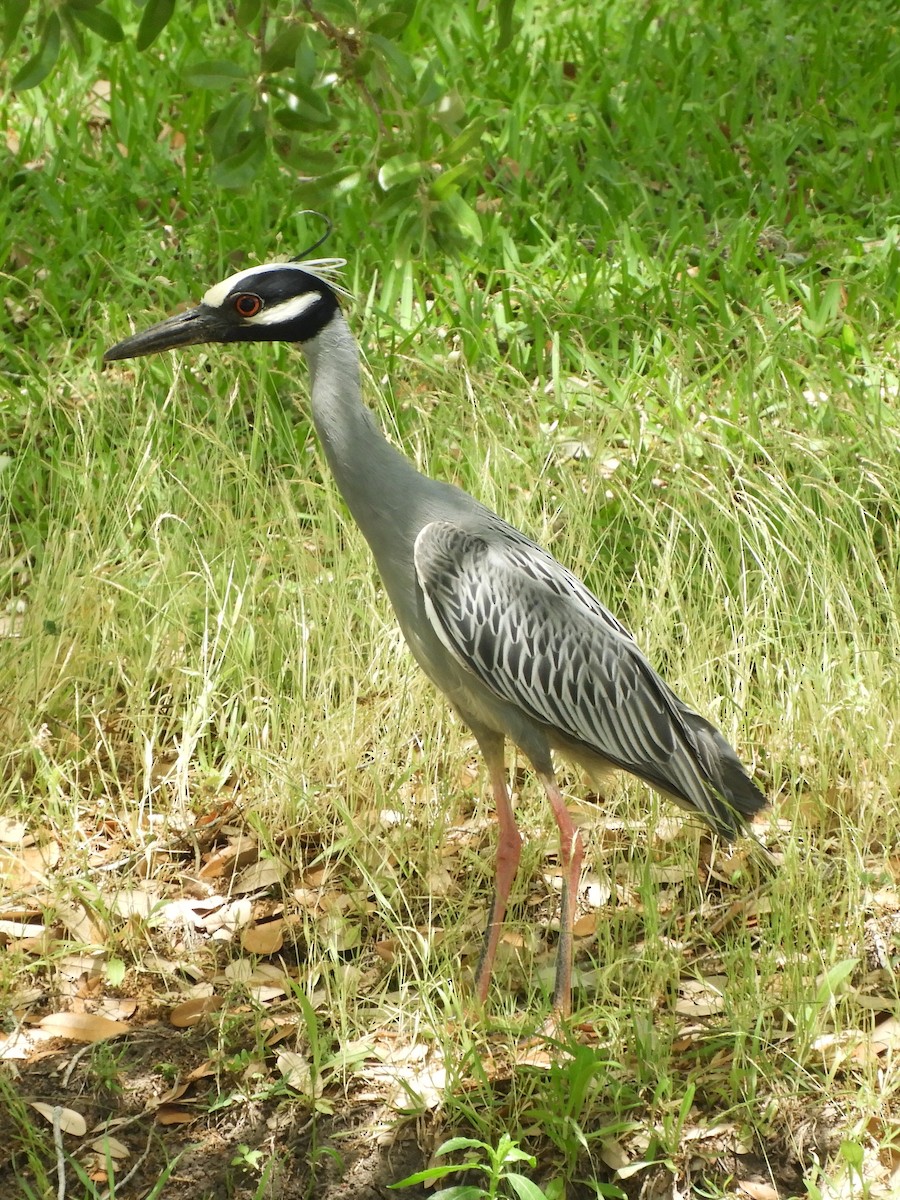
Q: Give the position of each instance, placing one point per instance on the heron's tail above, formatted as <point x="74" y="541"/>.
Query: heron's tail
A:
<point x="737" y="796"/>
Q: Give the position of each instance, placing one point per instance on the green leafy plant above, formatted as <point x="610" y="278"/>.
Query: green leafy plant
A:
<point x="345" y="95"/>
<point x="246" y="1156"/>
<point x="495" y="1162"/>
<point x="52" y="25"/>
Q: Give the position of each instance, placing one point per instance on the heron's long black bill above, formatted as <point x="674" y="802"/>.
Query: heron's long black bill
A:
<point x="201" y="324"/>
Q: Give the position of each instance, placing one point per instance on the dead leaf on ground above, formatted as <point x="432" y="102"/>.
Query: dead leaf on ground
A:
<point x="664" y="875"/>
<point x="263" y="939"/>
<point x="317" y="877"/>
<point x="21" y="1045"/>
<point x="134" y="902"/>
<point x="308" y="898"/>
<point x="634" y="1167"/>
<point x="757" y="1191"/>
<point x="117" y="1008"/>
<point x="239" y="853"/>
<point x="79" y="968"/>
<point x="870" y="1001"/>
<point x="596" y="892"/>
<point x="700" y="997"/>
<point x="535" y="1056"/>
<point x="614" y="1154"/>
<point x="110" y="1146"/>
<point x="175" y="1092"/>
<point x="28" y="866"/>
<point x="13" y="831"/>
<point x="83" y="1027"/>
<point x="204" y="1071"/>
<point x="885" y="899"/>
<point x="886" y="1036"/>
<point x="440" y="882"/>
<point x="259" y="875"/>
<point x="192" y="1012"/>
<point x="265" y="993"/>
<point x="340" y="933"/>
<point x="21" y="930"/>
<point x="836" y="1048"/>
<point x="171" y="1115"/>
<point x="278" y="1029"/>
<point x="423" y="1089"/>
<point x="243" y="971"/>
<point x="227" y="920"/>
<point x="190" y="911"/>
<point x="387" y="949"/>
<point x="70" y="1121"/>
<point x="701" y="1132"/>
<point x="80" y="924"/>
<point x="297" y="1073"/>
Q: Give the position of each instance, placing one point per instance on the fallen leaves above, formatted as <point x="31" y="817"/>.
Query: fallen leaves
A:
<point x="239" y="852"/>
<point x="221" y="932"/>
<point x="258" y="876"/>
<point x="757" y="1191"/>
<point x="171" y="1114"/>
<point x="107" y="1146"/>
<point x="297" y="1073"/>
<point x="82" y="1027"/>
<point x="191" y="1012"/>
<point x="12" y="831"/>
<point x="27" y="865"/>
<point x="886" y="1036"/>
<point x="701" y="997"/>
<point x="68" y="1119"/>
<point x="263" y="939"/>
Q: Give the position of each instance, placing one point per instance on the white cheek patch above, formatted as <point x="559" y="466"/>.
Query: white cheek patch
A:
<point x="286" y="311"/>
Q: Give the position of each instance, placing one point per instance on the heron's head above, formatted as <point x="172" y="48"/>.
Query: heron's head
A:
<point x="279" y="302"/>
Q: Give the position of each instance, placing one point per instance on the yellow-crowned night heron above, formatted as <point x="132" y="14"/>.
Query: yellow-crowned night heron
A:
<point x="516" y="642"/>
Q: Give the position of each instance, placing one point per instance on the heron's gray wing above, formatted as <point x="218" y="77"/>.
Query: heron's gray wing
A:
<point x="513" y="616"/>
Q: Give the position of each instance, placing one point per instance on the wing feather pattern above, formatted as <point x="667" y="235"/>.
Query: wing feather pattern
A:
<point x="536" y="637"/>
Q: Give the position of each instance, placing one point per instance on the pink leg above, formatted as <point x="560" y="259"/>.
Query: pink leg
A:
<point x="509" y="851"/>
<point x="571" y="854"/>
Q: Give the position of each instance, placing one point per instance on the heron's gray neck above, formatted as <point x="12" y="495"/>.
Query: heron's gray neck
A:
<point x="373" y="477"/>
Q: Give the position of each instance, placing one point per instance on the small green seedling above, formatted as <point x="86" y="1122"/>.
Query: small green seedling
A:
<point x="494" y="1162"/>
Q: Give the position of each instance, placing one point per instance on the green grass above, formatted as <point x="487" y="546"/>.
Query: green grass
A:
<point x="689" y="274"/>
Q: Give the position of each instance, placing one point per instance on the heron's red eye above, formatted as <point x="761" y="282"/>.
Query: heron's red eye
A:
<point x="247" y="305"/>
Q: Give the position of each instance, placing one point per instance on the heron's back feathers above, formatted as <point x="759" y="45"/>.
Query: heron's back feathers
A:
<point x="533" y="634"/>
